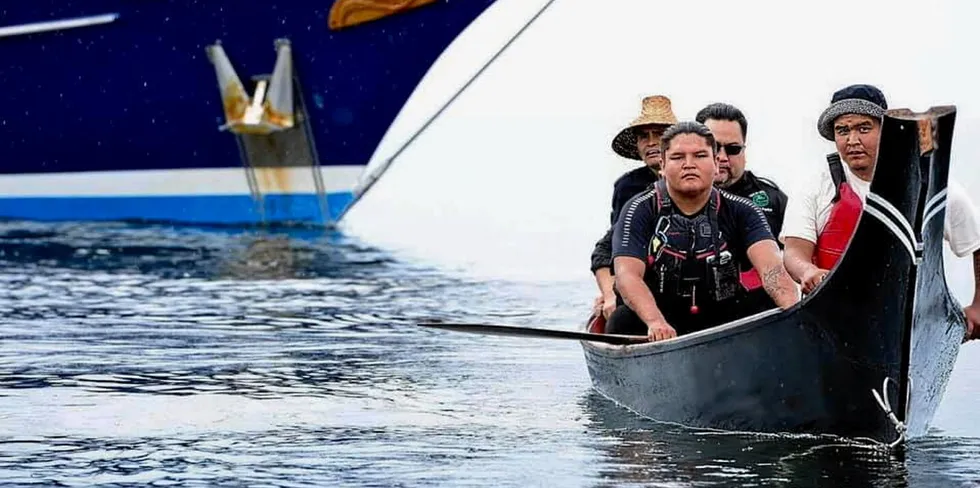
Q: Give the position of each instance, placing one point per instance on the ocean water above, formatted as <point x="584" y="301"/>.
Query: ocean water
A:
<point x="153" y="356"/>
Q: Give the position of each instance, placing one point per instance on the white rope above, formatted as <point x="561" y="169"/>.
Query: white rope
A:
<point x="887" y="408"/>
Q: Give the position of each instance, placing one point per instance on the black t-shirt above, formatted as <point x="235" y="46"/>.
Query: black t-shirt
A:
<point x="740" y="225"/>
<point x="628" y="186"/>
<point x="762" y="192"/>
<point x="765" y="195"/>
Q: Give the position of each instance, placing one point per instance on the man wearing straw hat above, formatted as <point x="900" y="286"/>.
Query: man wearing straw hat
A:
<point x="639" y="140"/>
<point x="820" y="219"/>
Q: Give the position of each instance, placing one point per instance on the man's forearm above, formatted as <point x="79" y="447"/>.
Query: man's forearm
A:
<point x="780" y="286"/>
<point x="797" y="262"/>
<point x="638" y="298"/>
<point x="605" y="280"/>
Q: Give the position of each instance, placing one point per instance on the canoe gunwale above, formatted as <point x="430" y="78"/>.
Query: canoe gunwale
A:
<point x="693" y="339"/>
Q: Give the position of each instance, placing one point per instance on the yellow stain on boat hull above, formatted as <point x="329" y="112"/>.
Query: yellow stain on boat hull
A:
<point x="273" y="180"/>
<point x="348" y="13"/>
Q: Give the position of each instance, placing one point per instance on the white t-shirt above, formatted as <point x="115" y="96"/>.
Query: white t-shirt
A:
<point x="808" y="210"/>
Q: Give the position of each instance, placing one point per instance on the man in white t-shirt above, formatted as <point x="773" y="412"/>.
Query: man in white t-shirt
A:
<point x="853" y="123"/>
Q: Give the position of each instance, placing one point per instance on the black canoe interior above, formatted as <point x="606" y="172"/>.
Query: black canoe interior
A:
<point x="876" y="316"/>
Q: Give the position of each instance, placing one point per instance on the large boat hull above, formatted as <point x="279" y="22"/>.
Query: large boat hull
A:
<point x="117" y="118"/>
<point x="218" y="196"/>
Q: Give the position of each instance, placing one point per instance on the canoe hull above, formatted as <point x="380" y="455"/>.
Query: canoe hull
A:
<point x="938" y="324"/>
<point x="883" y="315"/>
<point x="744" y="378"/>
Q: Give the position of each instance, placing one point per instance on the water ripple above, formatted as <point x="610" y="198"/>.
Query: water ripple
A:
<point x="145" y="355"/>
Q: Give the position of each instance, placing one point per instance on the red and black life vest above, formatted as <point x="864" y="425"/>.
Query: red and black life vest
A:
<point x="843" y="219"/>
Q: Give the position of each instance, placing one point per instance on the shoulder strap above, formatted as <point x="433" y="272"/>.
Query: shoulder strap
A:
<point x="662" y="197"/>
<point x="836" y="173"/>
<point x="714" y="203"/>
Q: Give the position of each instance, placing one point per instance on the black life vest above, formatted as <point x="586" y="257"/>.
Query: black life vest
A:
<point x="689" y="266"/>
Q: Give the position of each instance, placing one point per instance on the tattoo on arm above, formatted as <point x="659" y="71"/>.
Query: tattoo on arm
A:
<point x="771" y="281"/>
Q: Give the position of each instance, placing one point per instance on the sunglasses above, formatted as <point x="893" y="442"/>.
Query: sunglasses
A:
<point x="733" y="149"/>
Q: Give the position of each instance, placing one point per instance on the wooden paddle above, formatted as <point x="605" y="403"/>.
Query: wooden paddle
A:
<point x="515" y="331"/>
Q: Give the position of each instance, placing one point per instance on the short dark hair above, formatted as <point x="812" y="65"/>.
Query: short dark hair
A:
<point x="724" y="111"/>
<point x="688" y="127"/>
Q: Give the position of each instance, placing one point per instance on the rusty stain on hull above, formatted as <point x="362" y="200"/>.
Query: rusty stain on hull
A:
<point x="925" y="136"/>
<point x="235" y="102"/>
<point x="273" y="180"/>
<point x="278" y="118"/>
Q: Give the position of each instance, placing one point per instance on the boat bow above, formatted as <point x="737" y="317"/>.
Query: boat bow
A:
<point x="882" y="315"/>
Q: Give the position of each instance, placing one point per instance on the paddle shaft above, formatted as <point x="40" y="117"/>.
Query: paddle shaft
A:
<point x="515" y="331"/>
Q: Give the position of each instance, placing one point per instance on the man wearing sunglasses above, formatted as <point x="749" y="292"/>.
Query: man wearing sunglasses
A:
<point x="821" y="219"/>
<point x="729" y="126"/>
<point x="639" y="140"/>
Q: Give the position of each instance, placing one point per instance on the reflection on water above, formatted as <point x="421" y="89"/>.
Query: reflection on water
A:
<point x="638" y="451"/>
<point x="185" y="252"/>
<point x="135" y="355"/>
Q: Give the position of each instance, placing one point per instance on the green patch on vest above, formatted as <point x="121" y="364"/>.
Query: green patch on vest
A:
<point x="760" y="198"/>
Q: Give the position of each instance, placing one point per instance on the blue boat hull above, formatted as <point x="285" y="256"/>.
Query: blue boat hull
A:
<point x="139" y="93"/>
<point x="188" y="209"/>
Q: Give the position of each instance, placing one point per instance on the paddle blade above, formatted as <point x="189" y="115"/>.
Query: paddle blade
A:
<point x="515" y="331"/>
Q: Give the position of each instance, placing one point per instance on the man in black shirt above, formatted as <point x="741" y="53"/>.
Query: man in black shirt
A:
<point x="640" y="140"/>
<point x="730" y="128"/>
<point x="677" y="248"/>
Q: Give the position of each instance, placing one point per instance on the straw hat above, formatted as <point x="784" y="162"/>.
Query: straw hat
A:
<point x="655" y="111"/>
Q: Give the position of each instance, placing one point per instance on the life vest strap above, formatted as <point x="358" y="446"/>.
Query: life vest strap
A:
<point x="836" y="174"/>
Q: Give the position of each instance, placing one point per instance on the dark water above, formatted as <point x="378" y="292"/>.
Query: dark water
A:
<point x="137" y="355"/>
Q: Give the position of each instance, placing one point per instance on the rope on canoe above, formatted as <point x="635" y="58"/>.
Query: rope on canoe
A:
<point x="900" y="428"/>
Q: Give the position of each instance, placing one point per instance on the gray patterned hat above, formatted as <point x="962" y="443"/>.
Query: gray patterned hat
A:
<point x="855" y="99"/>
